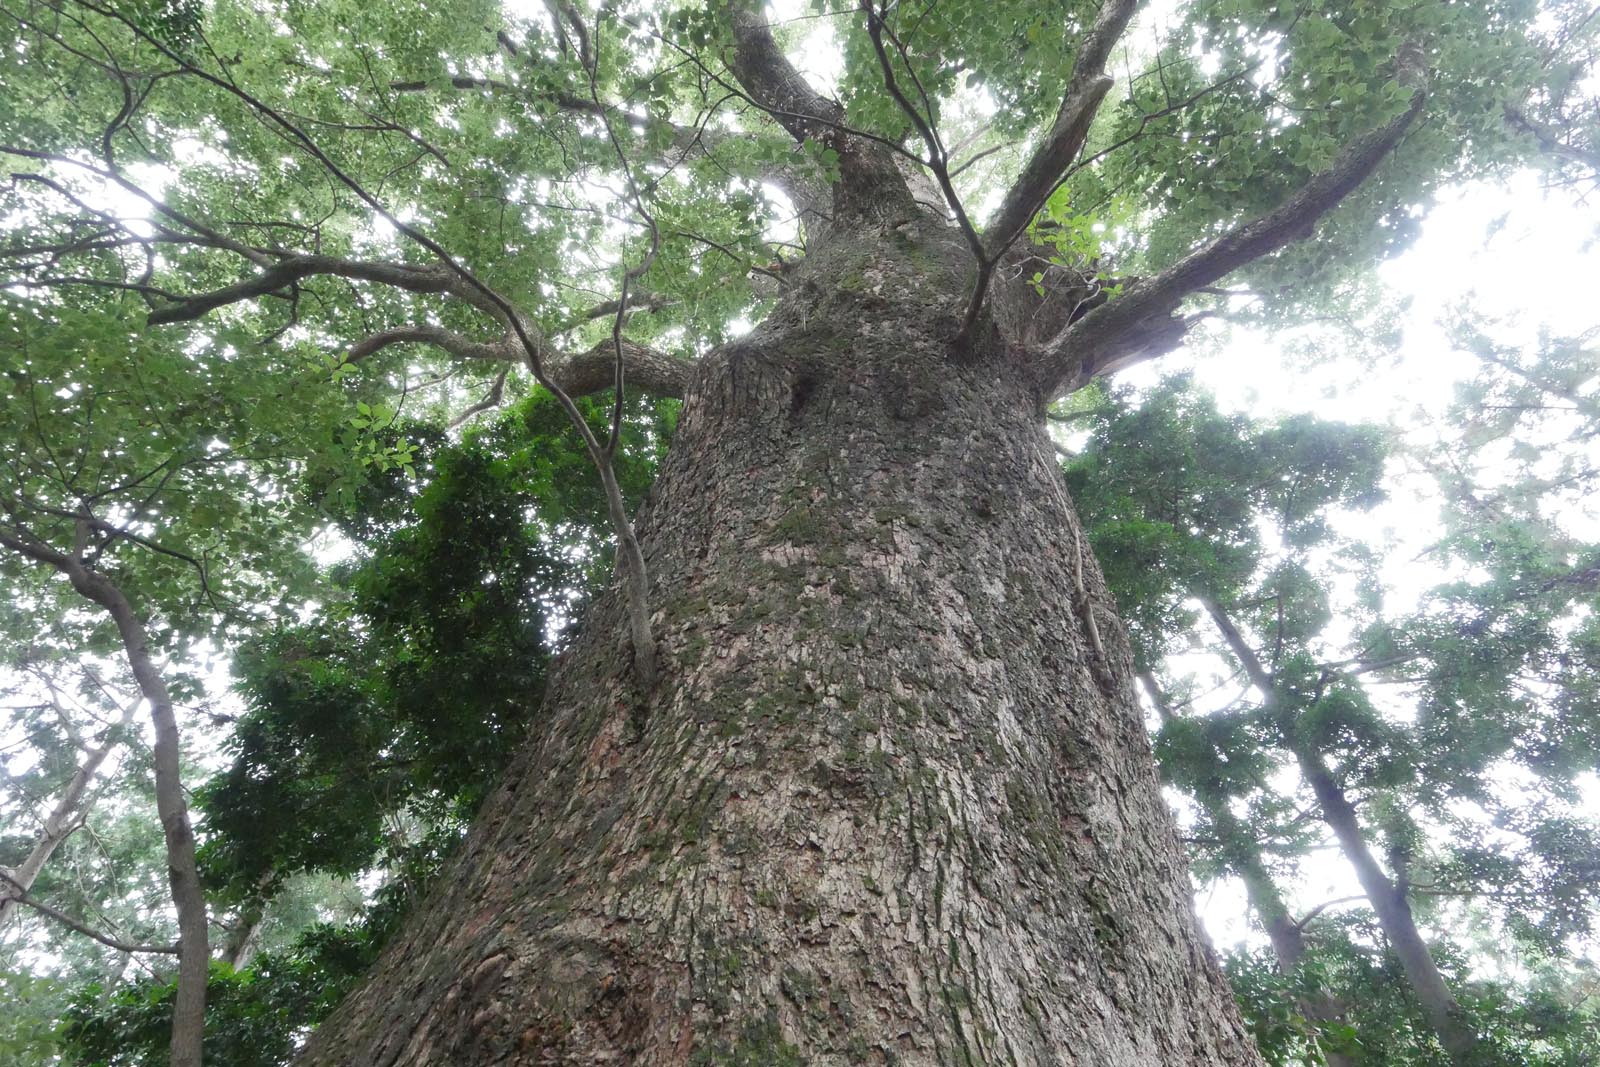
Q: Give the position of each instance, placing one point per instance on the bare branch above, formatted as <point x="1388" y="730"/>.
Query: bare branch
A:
<point x="112" y="174"/>
<point x="19" y="895"/>
<point x="637" y="301"/>
<point x="1324" y="906"/>
<point x="490" y="401"/>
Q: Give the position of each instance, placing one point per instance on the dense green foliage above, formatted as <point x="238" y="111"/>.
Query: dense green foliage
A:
<point x="1465" y="756"/>
<point x="203" y="437"/>
<point x="407" y="695"/>
<point x="1172" y="490"/>
<point x="1550" y="1019"/>
<point x="372" y="730"/>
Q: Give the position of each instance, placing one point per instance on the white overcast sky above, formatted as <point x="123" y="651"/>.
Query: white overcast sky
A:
<point x="1541" y="267"/>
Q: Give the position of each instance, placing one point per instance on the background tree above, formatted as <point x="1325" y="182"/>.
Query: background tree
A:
<point x="869" y="603"/>
<point x="1409" y="787"/>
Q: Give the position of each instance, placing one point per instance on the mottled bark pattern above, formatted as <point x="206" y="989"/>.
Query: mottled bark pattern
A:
<point x="880" y="808"/>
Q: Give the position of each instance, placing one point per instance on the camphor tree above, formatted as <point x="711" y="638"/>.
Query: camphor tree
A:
<point x="847" y="766"/>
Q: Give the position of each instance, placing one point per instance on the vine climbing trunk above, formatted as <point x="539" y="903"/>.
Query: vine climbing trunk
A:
<point x="890" y="799"/>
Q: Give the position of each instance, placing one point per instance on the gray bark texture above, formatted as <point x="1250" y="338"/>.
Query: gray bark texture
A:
<point x="194" y="953"/>
<point x="891" y="799"/>
<point x="1389" y="902"/>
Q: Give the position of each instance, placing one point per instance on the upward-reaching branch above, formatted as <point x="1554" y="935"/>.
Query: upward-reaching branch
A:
<point x="1241" y="848"/>
<point x="65" y="816"/>
<point x="1141" y="322"/>
<point x="1555" y="142"/>
<point x="772" y="81"/>
<point x="1085" y="91"/>
<point x="869" y="183"/>
<point x="938" y="160"/>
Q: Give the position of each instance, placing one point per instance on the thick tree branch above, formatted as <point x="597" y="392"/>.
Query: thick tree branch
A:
<point x="1085" y="91"/>
<point x="294" y="269"/>
<point x="577" y="373"/>
<point x="459" y="346"/>
<point x="647" y="369"/>
<point x="772" y="81"/>
<point x="1142" y="322"/>
<point x="869" y="183"/>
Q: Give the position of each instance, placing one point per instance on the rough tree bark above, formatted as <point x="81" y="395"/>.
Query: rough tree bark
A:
<point x="891" y="801"/>
<point x="890" y="798"/>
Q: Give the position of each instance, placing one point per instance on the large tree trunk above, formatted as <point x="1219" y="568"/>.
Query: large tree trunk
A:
<point x="891" y="801"/>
